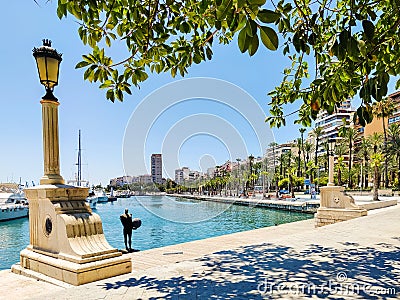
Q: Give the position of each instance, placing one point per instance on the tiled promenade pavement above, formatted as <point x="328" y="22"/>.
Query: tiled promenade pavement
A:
<point x="357" y="259"/>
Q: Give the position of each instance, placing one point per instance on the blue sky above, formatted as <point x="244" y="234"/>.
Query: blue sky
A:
<point x="83" y="105"/>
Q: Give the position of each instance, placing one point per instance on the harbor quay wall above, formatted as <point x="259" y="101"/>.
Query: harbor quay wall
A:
<point x="303" y="206"/>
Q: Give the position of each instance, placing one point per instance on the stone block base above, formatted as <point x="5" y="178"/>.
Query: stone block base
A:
<point x="70" y="272"/>
<point x="327" y="216"/>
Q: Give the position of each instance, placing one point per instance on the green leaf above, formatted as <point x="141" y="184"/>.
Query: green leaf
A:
<point x="223" y="9"/>
<point x="253" y="45"/>
<point x="362" y="48"/>
<point x="81" y="64"/>
<point x="369" y="29"/>
<point x="269" y="38"/>
<point x="297" y="42"/>
<point x="251" y="27"/>
<point x="242" y="40"/>
<point x="209" y="53"/>
<point x="258" y="2"/>
<point x="268" y="16"/>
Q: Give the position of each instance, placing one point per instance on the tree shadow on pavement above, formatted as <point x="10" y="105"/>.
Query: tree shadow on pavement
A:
<point x="274" y="271"/>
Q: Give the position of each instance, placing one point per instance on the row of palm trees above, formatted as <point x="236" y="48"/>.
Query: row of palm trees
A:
<point x="358" y="161"/>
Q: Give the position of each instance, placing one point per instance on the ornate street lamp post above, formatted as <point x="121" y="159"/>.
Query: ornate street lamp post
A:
<point x="66" y="238"/>
<point x="48" y="64"/>
<point x="331" y="154"/>
<point x="335" y="205"/>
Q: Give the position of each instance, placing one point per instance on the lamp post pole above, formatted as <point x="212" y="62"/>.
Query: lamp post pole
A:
<point x="50" y="143"/>
<point x="331" y="181"/>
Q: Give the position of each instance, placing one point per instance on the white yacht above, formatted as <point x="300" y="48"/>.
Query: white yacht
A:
<point x="13" y="206"/>
<point x="99" y="194"/>
<point x="92" y="200"/>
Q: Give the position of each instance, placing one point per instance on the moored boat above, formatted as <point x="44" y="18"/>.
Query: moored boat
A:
<point x="111" y="197"/>
<point x="13" y="206"/>
<point x="100" y="195"/>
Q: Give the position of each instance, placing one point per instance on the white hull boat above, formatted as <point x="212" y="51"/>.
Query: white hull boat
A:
<point x="92" y="201"/>
<point x="101" y="196"/>
<point x="13" y="206"/>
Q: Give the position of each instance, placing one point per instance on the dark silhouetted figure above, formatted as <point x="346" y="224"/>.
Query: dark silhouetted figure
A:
<point x="126" y="220"/>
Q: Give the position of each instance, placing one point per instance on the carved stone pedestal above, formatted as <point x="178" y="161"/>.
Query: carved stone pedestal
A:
<point x="336" y="207"/>
<point x="66" y="238"/>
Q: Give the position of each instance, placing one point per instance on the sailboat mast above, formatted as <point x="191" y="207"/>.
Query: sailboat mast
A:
<point x="79" y="179"/>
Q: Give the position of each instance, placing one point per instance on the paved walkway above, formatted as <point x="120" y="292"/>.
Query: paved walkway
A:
<point x="354" y="259"/>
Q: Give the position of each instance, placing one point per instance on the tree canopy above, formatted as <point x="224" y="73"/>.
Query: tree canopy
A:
<point x="353" y="44"/>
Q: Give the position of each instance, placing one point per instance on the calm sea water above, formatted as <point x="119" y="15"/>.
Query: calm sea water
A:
<point x="160" y="226"/>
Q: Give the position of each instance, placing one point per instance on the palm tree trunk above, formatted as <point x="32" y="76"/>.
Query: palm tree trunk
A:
<point x="299" y="166"/>
<point x="316" y="157"/>
<point x="291" y="185"/>
<point x="398" y="172"/>
<point x="375" y="197"/>
<point x="384" y="152"/>
<point x="350" y="152"/>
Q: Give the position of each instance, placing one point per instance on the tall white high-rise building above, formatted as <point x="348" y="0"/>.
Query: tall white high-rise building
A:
<point x="156" y="168"/>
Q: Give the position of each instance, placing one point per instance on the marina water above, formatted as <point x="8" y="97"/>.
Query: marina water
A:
<point x="160" y="228"/>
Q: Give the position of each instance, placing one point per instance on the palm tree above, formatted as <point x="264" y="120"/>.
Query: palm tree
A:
<point x="316" y="133"/>
<point x="350" y="135"/>
<point x="325" y="146"/>
<point x="363" y="153"/>
<point x="251" y="177"/>
<point x="308" y="147"/>
<point x="238" y="176"/>
<point x="383" y="109"/>
<point x="340" y="150"/>
<point x="376" y="161"/>
<point x="299" y="145"/>
<point x="376" y="142"/>
<point x="302" y="130"/>
<point x="273" y="145"/>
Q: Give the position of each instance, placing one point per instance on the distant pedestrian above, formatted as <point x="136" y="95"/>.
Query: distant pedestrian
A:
<point x="126" y="220"/>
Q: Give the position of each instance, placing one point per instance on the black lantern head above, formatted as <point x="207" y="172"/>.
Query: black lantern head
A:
<point x="48" y="62"/>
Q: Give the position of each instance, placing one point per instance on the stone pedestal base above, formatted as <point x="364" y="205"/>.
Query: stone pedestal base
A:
<point x="336" y="207"/>
<point x="70" y="272"/>
<point x="327" y="216"/>
<point x="66" y="238"/>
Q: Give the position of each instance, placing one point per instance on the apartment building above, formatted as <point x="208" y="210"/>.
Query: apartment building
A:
<point x="156" y="168"/>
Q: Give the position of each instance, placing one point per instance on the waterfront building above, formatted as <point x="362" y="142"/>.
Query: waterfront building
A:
<point x="123" y="180"/>
<point x="146" y="179"/>
<point x="181" y="175"/>
<point x="156" y="168"/>
<point x="274" y="153"/>
<point x="194" y="175"/>
<point x="377" y="126"/>
<point x="330" y="123"/>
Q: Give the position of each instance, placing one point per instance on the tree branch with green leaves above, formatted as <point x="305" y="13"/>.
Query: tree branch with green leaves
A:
<point x="354" y="45"/>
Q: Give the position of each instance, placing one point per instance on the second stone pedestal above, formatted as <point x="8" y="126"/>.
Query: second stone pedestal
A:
<point x="336" y="206"/>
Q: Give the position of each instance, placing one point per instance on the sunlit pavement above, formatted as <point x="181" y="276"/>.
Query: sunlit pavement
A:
<point x="354" y="259"/>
